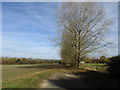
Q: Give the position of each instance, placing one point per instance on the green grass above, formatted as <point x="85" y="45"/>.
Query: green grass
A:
<point x="101" y="67"/>
<point x="12" y="72"/>
<point x="30" y="76"/>
<point x="95" y="65"/>
<point x="24" y="76"/>
<point x="29" y="82"/>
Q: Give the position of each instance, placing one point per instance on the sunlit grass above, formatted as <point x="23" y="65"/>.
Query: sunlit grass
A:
<point x="11" y="72"/>
<point x="27" y="82"/>
<point x="101" y="67"/>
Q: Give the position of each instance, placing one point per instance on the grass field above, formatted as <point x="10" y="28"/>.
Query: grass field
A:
<point x="10" y="72"/>
<point x="29" y="76"/>
<point x="101" y="67"/>
<point x="24" y="76"/>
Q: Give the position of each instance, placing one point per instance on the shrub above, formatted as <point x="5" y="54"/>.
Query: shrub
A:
<point x="114" y="67"/>
<point x="103" y="59"/>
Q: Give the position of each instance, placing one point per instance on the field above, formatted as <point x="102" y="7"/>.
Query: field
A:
<point x="22" y="76"/>
<point x="101" y="67"/>
<point x="11" y="72"/>
<point x="30" y="76"/>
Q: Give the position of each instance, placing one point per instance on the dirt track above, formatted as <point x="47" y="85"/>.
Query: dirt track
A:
<point x="63" y="80"/>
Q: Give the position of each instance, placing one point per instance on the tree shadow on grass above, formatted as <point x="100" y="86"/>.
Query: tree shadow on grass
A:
<point x="47" y="66"/>
<point x="88" y="79"/>
<point x="68" y="83"/>
<point x="98" y="80"/>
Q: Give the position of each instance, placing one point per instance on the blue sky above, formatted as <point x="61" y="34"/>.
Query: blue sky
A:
<point x="1" y="29"/>
<point x="28" y="26"/>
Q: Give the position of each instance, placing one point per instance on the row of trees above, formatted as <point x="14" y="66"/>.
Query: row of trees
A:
<point x="81" y="27"/>
<point x="28" y="61"/>
<point x="8" y="60"/>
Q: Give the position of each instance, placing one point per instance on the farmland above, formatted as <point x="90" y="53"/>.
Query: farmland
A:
<point x="23" y="76"/>
<point x="59" y="45"/>
<point x="31" y="75"/>
<point x="11" y="72"/>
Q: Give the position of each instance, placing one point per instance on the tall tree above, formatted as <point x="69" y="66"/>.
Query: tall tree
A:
<point x="82" y="26"/>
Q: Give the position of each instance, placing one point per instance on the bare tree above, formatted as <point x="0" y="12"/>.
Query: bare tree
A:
<point x="82" y="26"/>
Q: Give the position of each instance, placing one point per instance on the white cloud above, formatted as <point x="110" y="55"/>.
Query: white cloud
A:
<point x="29" y="49"/>
<point x="29" y="44"/>
<point x="26" y="47"/>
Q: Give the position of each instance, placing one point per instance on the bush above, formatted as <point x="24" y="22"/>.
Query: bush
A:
<point x="114" y="67"/>
<point x="103" y="59"/>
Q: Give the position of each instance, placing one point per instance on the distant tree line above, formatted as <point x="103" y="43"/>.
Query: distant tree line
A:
<point x="9" y="60"/>
<point x="102" y="59"/>
<point x="14" y="60"/>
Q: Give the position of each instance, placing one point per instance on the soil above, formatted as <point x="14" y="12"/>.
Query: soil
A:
<point x="63" y="80"/>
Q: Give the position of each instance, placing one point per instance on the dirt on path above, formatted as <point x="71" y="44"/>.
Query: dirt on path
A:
<point x="63" y="80"/>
